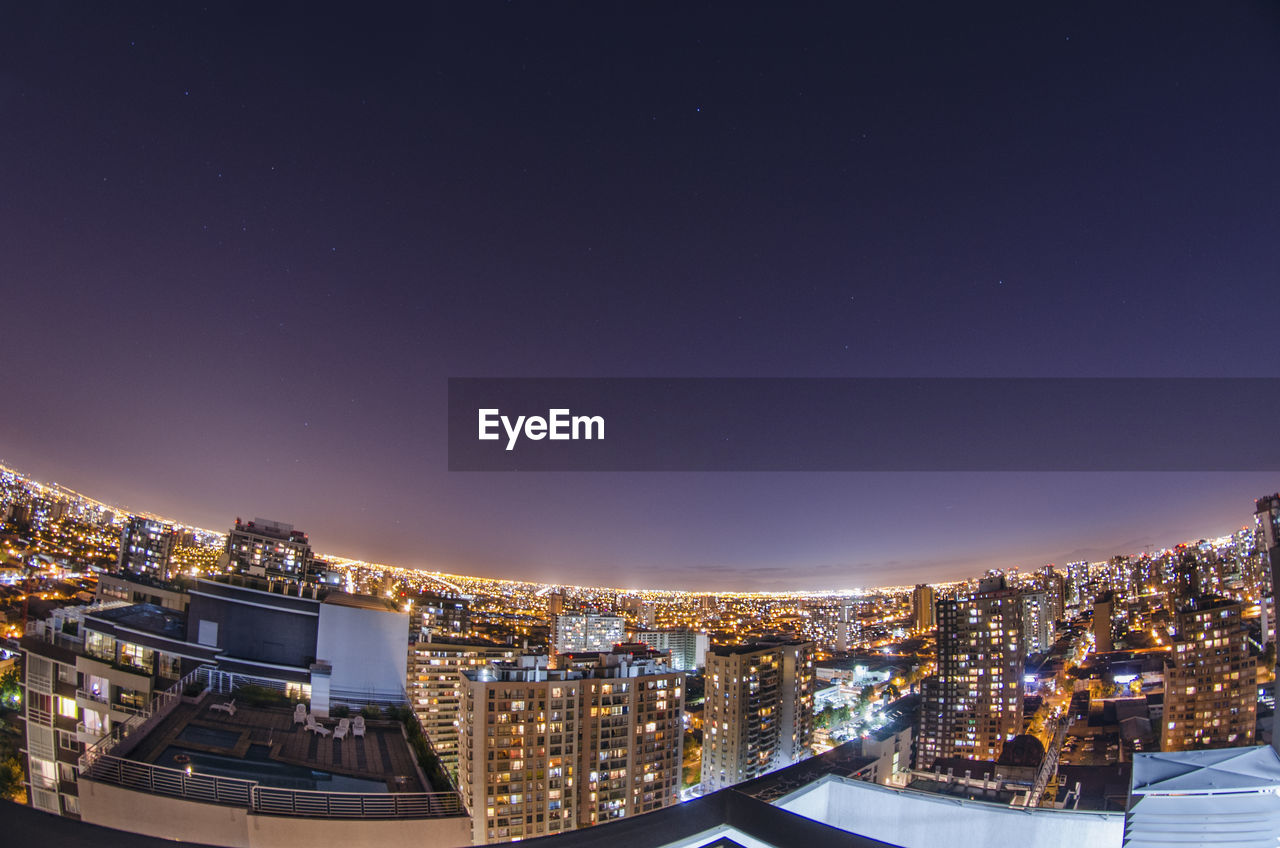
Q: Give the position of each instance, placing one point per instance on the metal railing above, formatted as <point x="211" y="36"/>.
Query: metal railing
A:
<point x="381" y="805"/>
<point x="147" y="717"/>
<point x="100" y="698"/>
<point x="270" y="800"/>
<point x="99" y="763"/>
<point x="227" y="682"/>
<point x="91" y="696"/>
<point x="158" y="780"/>
<point x="1049" y="767"/>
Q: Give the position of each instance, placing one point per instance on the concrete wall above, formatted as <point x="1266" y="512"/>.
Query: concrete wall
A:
<point x="368" y="648"/>
<point x="167" y="818"/>
<point x="234" y="827"/>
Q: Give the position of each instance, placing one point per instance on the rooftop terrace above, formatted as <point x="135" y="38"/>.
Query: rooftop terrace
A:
<point x="382" y="756"/>
<point x="259" y="759"/>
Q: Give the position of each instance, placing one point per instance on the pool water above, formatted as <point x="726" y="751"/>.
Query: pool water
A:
<point x="258" y="765"/>
<point x="212" y="736"/>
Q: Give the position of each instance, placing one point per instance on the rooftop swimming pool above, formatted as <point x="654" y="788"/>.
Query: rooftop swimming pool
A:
<point x="211" y="736"/>
<point x="258" y="765"/>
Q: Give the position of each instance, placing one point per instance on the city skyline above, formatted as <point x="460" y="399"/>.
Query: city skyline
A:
<point x="343" y="559"/>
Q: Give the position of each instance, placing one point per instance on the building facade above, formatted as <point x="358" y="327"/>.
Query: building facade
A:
<point x="1103" y="631"/>
<point x="441" y="616"/>
<point x="688" y="648"/>
<point x="973" y="705"/>
<point x="548" y="750"/>
<point x="1211" y="693"/>
<point x="87" y="670"/>
<point x="145" y="548"/>
<point x="264" y="548"/>
<point x="1037" y="622"/>
<point x="758" y="715"/>
<point x="922" y="608"/>
<point x="435" y="687"/>
<point x="586" y="631"/>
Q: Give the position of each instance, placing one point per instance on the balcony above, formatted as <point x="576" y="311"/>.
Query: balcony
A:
<point x="97" y="700"/>
<point x="39" y="716"/>
<point x="88" y="736"/>
<point x="38" y="682"/>
<point x="87" y="695"/>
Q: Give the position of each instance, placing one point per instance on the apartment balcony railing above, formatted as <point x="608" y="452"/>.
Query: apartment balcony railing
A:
<point x="39" y="781"/>
<point x="253" y="796"/>
<point x="86" y="730"/>
<point x="90" y="695"/>
<point x="162" y="703"/>
<point x="100" y="698"/>
<point x="38" y="682"/>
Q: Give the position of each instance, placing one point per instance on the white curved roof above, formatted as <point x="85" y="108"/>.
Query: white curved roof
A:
<point x="1205" y="798"/>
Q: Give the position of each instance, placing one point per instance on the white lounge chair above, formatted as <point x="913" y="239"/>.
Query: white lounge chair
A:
<point x="357" y="726"/>
<point x="314" y="726"/>
<point x="344" y="727"/>
<point x="229" y="707"/>
<point x="300" y="714"/>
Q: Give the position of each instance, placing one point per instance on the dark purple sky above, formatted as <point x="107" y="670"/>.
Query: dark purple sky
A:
<point x="241" y="250"/>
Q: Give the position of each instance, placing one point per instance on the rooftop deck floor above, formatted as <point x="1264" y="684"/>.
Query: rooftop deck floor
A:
<point x="382" y="754"/>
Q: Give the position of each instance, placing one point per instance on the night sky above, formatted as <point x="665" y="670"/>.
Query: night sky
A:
<point x="242" y="249"/>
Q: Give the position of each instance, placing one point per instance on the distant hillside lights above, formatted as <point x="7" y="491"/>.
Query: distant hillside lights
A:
<point x="559" y="425"/>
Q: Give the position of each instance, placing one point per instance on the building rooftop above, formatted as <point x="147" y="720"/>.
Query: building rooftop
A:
<point x="1104" y="787"/>
<point x="148" y="618"/>
<point x="843" y="761"/>
<point x="752" y="647"/>
<point x="178" y="584"/>
<point x="1210" y="797"/>
<point x="260" y="736"/>
<point x="1218" y="770"/>
<point x="271" y="529"/>
<point x="371" y="602"/>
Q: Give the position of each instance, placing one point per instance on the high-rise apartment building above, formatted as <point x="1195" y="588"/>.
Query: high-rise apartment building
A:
<point x="922" y="608"/>
<point x="1103" y="610"/>
<point x="1037" y="622"/>
<point x="842" y="629"/>
<point x="145" y="547"/>
<point x="1054" y="585"/>
<point x="633" y="738"/>
<point x="265" y="548"/>
<point x="1077" y="580"/>
<point x="440" y="616"/>
<point x="435" y="687"/>
<point x="586" y="631"/>
<point x="518" y="764"/>
<point x="759" y="710"/>
<point x="688" y="648"/>
<point x="1267" y="515"/>
<point x="546" y="750"/>
<point x="1211" y="696"/>
<point x="974" y="703"/>
<point x="91" y="669"/>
